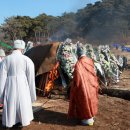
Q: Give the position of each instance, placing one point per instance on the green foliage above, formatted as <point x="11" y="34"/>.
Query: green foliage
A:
<point x="105" y="21"/>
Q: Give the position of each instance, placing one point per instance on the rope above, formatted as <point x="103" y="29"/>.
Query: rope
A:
<point x="103" y="84"/>
<point x="39" y="89"/>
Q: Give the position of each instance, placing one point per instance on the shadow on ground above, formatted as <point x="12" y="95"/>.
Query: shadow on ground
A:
<point x="55" y="118"/>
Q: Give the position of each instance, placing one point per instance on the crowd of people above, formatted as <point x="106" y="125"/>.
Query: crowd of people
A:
<point x="83" y="64"/>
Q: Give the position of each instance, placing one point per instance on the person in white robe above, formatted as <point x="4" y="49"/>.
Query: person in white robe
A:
<point x="17" y="87"/>
<point x="29" y="46"/>
<point x="2" y="54"/>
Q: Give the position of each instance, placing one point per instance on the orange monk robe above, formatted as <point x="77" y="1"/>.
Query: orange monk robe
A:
<point x="84" y="91"/>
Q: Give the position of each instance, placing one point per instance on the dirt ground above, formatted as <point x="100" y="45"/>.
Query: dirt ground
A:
<point x="113" y="114"/>
<point x="125" y="76"/>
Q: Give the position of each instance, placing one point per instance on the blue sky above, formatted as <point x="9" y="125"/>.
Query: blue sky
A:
<point x="33" y="8"/>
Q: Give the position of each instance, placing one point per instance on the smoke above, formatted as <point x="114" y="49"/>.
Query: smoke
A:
<point x="104" y="26"/>
<point x="79" y="4"/>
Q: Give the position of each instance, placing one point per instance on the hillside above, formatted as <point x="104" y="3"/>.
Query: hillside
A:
<point x="107" y="21"/>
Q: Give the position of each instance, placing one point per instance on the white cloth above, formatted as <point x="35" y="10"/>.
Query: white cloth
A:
<point x="0" y="59"/>
<point x="2" y="52"/>
<point x="87" y="121"/>
<point x="29" y="46"/>
<point x="17" y="89"/>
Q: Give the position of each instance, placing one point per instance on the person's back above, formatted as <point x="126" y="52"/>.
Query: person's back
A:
<point x="84" y="90"/>
<point x="17" y="90"/>
<point x="17" y="63"/>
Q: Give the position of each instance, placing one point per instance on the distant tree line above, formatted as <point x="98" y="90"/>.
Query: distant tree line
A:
<point x="105" y="21"/>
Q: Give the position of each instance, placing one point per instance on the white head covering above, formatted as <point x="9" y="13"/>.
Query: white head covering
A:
<point x="2" y="53"/>
<point x="19" y="44"/>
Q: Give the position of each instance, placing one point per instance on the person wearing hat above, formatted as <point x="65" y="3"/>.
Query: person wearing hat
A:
<point x="83" y="103"/>
<point x="2" y="54"/>
<point x="29" y="46"/>
<point x="17" y="87"/>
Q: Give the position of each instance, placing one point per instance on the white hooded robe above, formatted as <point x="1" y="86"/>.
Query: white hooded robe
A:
<point x="17" y="89"/>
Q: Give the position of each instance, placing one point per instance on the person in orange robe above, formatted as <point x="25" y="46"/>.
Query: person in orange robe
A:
<point x="84" y="90"/>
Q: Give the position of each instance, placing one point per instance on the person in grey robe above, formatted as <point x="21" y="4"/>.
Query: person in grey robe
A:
<point x="17" y="87"/>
